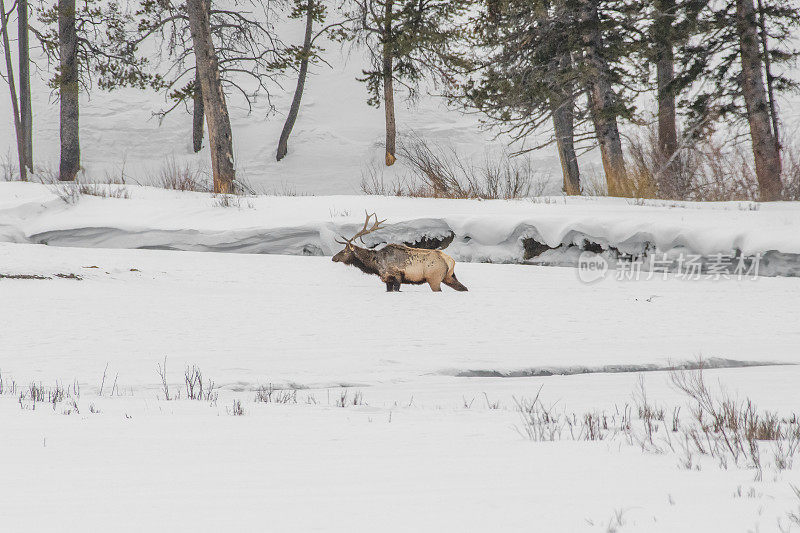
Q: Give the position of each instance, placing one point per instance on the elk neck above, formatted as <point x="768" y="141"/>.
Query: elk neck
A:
<point x="366" y="260"/>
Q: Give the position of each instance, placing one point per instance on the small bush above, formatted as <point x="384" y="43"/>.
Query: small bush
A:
<point x="236" y="409"/>
<point x="8" y="170"/>
<point x="196" y="387"/>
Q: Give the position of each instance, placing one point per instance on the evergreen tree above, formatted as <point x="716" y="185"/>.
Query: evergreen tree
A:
<point x="313" y="11"/>
<point x="672" y="24"/>
<point x="537" y="57"/>
<point x="216" y="110"/>
<point x="668" y="27"/>
<point x="88" y="43"/>
<point x="406" y="40"/>
<point x="25" y="108"/>
<point x="244" y="40"/>
<point x="18" y="128"/>
<point x="732" y="65"/>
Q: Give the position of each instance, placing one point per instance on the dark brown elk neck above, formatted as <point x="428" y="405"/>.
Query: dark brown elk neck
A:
<point x="367" y="260"/>
<point x="367" y="256"/>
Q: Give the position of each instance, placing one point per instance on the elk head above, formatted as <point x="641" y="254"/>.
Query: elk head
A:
<point x="347" y="255"/>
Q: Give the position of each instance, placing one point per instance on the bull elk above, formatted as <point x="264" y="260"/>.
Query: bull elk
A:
<point x="397" y="264"/>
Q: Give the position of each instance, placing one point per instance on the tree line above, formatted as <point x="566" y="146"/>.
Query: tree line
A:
<point x="575" y="69"/>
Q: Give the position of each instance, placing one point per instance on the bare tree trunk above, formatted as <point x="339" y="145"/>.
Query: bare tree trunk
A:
<point x="198" y="114"/>
<point x="665" y="76"/>
<point x="388" y="85"/>
<point x="765" y="148"/>
<point x="602" y="100"/>
<point x="26" y="112"/>
<point x="68" y="91"/>
<point x="283" y="144"/>
<point x="12" y="87"/>
<point x="220" y="137"/>
<point x="563" y="111"/>
<point x="564" y="129"/>
<point x="768" y="74"/>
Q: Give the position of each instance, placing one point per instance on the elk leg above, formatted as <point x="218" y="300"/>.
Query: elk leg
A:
<point x="435" y="285"/>
<point x="392" y="279"/>
<point x="392" y="284"/>
<point x="453" y="282"/>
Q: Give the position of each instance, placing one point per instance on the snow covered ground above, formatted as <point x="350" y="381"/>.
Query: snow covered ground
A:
<point x="399" y="412"/>
<point x="426" y="448"/>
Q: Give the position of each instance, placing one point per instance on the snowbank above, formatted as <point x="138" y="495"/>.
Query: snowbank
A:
<point x="548" y="230"/>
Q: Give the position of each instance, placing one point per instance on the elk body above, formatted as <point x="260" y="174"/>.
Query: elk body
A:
<point x="396" y="264"/>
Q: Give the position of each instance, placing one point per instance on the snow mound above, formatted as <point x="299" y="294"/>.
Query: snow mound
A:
<point x="547" y="231"/>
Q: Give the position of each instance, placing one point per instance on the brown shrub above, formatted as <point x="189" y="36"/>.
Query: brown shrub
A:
<point x="703" y="170"/>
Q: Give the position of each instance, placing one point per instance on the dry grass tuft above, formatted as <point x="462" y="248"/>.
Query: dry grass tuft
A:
<point x="236" y="409"/>
<point x="345" y="400"/>
<point x="437" y="172"/>
<point x="702" y="171"/>
<point x="37" y="394"/>
<point x="232" y="200"/>
<point x="9" y="171"/>
<point x="70" y="192"/>
<point x="731" y="433"/>
<point x="270" y="394"/>
<point x="180" y="177"/>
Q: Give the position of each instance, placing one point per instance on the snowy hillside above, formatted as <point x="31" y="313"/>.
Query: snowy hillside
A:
<point x="336" y="136"/>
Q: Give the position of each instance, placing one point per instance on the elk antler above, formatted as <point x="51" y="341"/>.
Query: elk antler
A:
<point x="364" y="231"/>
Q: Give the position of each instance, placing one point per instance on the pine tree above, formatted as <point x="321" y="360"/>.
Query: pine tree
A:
<point x="313" y="11"/>
<point x="668" y="26"/>
<point x="537" y="57"/>
<point x="406" y="40"/>
<point x="68" y="91"/>
<point x="26" y="111"/>
<point x="732" y="64"/>
<point x="244" y="42"/>
<point x="13" y="90"/>
<point x="220" y="136"/>
<point x="87" y="41"/>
